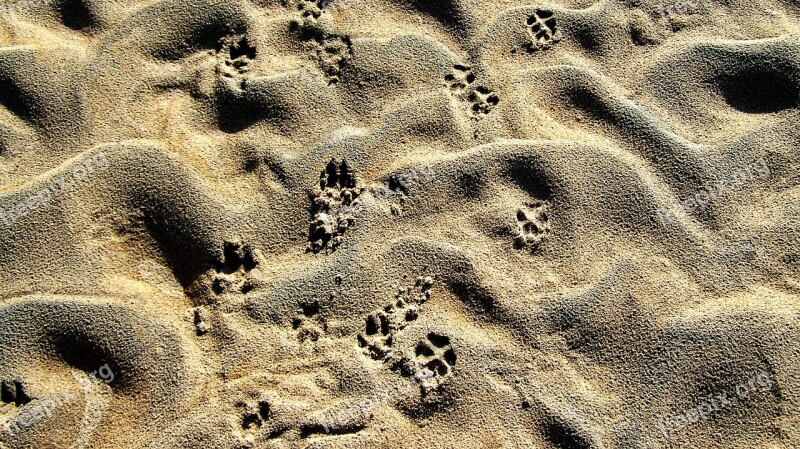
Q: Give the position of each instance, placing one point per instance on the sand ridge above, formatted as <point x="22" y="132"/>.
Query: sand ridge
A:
<point x="393" y="224"/>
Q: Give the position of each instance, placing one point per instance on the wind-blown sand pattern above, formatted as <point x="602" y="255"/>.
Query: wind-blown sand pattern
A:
<point x="399" y="224"/>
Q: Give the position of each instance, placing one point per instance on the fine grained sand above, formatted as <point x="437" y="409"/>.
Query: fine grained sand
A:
<point x="399" y="224"/>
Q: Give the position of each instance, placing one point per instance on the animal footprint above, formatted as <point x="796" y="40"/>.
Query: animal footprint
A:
<point x="461" y="82"/>
<point x="333" y="50"/>
<point x="235" y="55"/>
<point x="383" y="325"/>
<point x="533" y="225"/>
<point x="232" y="272"/>
<point x="430" y="361"/>
<point x="13" y="392"/>
<point x="333" y="206"/>
<point x="483" y="100"/>
<point x="254" y="417"/>
<point x="542" y="29"/>
<point x="434" y="360"/>
<point x="311" y="8"/>
<point x="460" y="79"/>
<point x="333" y="53"/>
<point x="308" y="323"/>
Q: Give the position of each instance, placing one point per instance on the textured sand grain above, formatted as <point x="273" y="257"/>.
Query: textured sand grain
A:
<point x="400" y="224"/>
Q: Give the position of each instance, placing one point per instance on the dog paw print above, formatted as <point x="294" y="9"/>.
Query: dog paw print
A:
<point x="333" y="206"/>
<point x="311" y="9"/>
<point x="236" y="54"/>
<point x="256" y="418"/>
<point x="383" y="325"/>
<point x="315" y="8"/>
<point x="333" y="52"/>
<point x="308" y="323"/>
<point x="542" y="30"/>
<point x="232" y="273"/>
<point x="460" y="79"/>
<point x="433" y="361"/>
<point x="533" y="225"/>
<point x="461" y="83"/>
<point x="13" y="392"/>
<point x="483" y="100"/>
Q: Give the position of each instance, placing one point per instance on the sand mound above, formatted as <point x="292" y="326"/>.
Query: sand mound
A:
<point x="392" y="224"/>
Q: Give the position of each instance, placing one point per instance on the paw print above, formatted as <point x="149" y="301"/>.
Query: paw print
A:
<point x="13" y="392"/>
<point x="235" y="55"/>
<point x="460" y="79"/>
<point x="255" y="416"/>
<point x="483" y="100"/>
<point x="311" y="8"/>
<point x="333" y="52"/>
<point x="430" y="361"/>
<point x="434" y="360"/>
<point x="461" y="83"/>
<point x="333" y="206"/>
<point x="532" y="224"/>
<point x="308" y="323"/>
<point x="383" y="325"/>
<point x="232" y="272"/>
<point x="542" y="30"/>
<point x="315" y="8"/>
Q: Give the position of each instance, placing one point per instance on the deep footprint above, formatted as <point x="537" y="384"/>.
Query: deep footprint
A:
<point x="332" y="206"/>
<point x="542" y="30"/>
<point x="483" y="100"/>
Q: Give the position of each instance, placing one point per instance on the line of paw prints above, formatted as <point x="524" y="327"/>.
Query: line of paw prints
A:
<point x="430" y="361"/>
<point x="532" y="224"/>
<point x="462" y="84"/>
<point x="235" y="55"/>
<point x="543" y="30"/>
<point x="332" y="206"/>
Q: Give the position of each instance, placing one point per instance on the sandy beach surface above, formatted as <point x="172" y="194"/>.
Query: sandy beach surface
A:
<point x="399" y="224"/>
